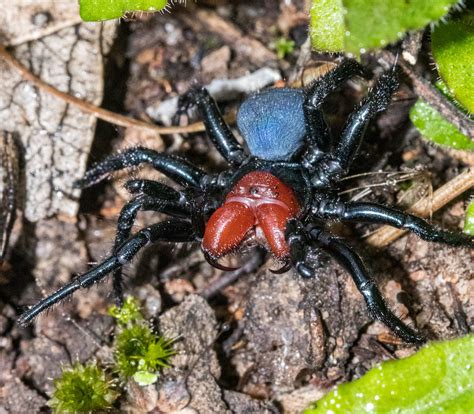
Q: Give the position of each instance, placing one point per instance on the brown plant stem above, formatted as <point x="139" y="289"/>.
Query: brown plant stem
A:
<point x="98" y="112"/>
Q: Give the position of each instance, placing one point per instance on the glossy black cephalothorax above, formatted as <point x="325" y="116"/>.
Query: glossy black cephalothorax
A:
<point x="287" y="139"/>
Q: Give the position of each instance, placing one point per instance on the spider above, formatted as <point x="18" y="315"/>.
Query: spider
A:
<point x="278" y="194"/>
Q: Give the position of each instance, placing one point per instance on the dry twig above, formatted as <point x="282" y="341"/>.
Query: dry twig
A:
<point x="435" y="98"/>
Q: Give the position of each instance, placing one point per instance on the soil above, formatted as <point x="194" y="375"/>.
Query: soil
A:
<point x="265" y="342"/>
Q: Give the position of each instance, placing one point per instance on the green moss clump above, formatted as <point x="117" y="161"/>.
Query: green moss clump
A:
<point x="82" y="388"/>
<point x="138" y="352"/>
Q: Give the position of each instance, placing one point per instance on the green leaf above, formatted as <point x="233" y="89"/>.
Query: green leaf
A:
<point x="435" y="128"/>
<point x="355" y="26"/>
<point x="327" y="26"/>
<point x="453" y="49"/>
<point x="469" y="219"/>
<point x="144" y="378"/>
<point x="439" y="378"/>
<point x="96" y="10"/>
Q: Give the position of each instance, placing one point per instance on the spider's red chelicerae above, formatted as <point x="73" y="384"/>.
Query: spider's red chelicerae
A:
<point x="279" y="193"/>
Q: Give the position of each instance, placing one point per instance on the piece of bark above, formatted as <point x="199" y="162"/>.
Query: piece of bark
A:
<point x="9" y="187"/>
<point x="56" y="137"/>
<point x="24" y="21"/>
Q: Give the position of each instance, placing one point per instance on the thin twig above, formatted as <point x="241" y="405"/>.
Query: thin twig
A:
<point x="422" y="208"/>
<point x="435" y="98"/>
<point x="229" y="277"/>
<point x="87" y="107"/>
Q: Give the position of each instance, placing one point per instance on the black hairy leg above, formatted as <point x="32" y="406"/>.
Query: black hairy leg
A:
<point x="173" y="230"/>
<point x="176" y="168"/>
<point x="218" y="131"/>
<point x="154" y="196"/>
<point x="318" y="131"/>
<point x="375" y="213"/>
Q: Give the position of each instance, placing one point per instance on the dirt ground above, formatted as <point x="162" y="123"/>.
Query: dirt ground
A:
<point x="252" y="341"/>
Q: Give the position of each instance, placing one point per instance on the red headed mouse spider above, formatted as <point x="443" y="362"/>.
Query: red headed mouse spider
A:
<point x="278" y="192"/>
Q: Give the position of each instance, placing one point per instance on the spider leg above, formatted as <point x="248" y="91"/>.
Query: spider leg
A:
<point x="217" y="129"/>
<point x="299" y="238"/>
<point x="376" y="101"/>
<point x="176" y="168"/>
<point x="297" y="241"/>
<point x="171" y="230"/>
<point x="167" y="199"/>
<point x="155" y="197"/>
<point x="375" y="213"/>
<point x="315" y="95"/>
<point x="180" y="200"/>
<point x="352" y="262"/>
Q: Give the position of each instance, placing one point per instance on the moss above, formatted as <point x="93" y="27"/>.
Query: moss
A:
<point x="128" y="313"/>
<point x="83" y="388"/>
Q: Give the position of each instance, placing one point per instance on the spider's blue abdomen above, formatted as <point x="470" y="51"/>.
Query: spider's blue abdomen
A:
<point x="272" y="123"/>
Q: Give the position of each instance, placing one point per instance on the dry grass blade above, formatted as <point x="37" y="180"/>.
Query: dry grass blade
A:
<point x="424" y="207"/>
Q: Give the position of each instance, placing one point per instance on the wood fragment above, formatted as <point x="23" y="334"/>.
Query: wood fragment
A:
<point x="10" y="170"/>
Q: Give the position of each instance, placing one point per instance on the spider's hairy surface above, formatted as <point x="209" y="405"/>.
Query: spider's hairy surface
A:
<point x="280" y="135"/>
<point x="278" y="192"/>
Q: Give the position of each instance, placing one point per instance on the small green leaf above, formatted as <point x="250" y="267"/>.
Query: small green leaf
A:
<point x="96" y="10"/>
<point x="469" y="219"/>
<point x="453" y="49"/>
<point x="355" y="26"/>
<point x="435" y="128"/>
<point x="438" y="379"/>
<point x="144" y="378"/>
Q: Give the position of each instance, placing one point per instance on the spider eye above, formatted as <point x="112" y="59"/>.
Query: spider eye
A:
<point x="254" y="190"/>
